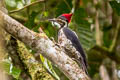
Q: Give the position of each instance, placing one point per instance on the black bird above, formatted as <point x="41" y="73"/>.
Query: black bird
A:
<point x="68" y="40"/>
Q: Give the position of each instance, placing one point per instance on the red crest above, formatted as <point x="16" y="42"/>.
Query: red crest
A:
<point x="67" y="16"/>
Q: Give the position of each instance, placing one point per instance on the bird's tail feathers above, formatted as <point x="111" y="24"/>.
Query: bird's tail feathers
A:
<point x="81" y="63"/>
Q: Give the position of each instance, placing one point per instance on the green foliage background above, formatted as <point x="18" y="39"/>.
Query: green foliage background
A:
<point x="83" y="23"/>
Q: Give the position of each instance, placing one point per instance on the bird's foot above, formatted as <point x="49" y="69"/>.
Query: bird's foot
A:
<point x="56" y="44"/>
<point x="52" y="39"/>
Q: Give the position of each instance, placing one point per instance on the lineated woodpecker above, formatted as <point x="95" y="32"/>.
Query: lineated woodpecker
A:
<point x="69" y="41"/>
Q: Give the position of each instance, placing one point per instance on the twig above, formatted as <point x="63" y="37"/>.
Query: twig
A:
<point x="97" y="26"/>
<point x="18" y="17"/>
<point x="23" y="19"/>
<point x="33" y="3"/>
<point x="98" y="31"/>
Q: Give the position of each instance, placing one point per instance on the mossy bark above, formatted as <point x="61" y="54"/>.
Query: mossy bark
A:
<point x="34" y="68"/>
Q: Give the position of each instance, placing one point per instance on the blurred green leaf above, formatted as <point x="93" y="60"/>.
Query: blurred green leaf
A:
<point x="47" y="32"/>
<point x="107" y="41"/>
<point x="116" y="6"/>
<point x="33" y="0"/>
<point x="52" y="31"/>
<point x="36" y="28"/>
<point x="42" y="58"/>
<point x="10" y="3"/>
<point x="80" y="13"/>
<point x="19" y="0"/>
<point x="86" y="37"/>
<point x="118" y="1"/>
<point x="82" y="27"/>
<point x="31" y="21"/>
<point x="64" y="7"/>
<point x="48" y="29"/>
<point x="79" y="17"/>
<point x="10" y="69"/>
<point x="19" y="5"/>
<point x="47" y="64"/>
<point x="16" y="72"/>
<point x="27" y="2"/>
<point x="45" y="13"/>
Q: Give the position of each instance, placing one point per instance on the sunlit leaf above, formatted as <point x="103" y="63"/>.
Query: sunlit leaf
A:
<point x="118" y="1"/>
<point x="45" y="13"/>
<point x="10" y="69"/>
<point x="27" y="2"/>
<point x="10" y="3"/>
<point x="20" y="5"/>
<point x="49" y="67"/>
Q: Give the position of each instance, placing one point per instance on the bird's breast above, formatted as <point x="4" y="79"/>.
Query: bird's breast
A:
<point x="62" y="39"/>
<point x="67" y="45"/>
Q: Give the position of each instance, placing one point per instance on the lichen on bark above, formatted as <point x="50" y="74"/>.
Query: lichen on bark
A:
<point x="34" y="68"/>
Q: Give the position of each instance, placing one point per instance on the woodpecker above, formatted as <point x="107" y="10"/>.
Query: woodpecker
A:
<point x="69" y="41"/>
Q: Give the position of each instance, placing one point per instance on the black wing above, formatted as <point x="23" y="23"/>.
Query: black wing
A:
<point x="75" y="42"/>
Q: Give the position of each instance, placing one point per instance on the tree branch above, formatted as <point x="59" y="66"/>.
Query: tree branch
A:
<point x="26" y="6"/>
<point x="41" y="43"/>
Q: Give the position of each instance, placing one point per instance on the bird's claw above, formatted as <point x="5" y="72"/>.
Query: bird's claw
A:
<point x="53" y="40"/>
<point x="56" y="44"/>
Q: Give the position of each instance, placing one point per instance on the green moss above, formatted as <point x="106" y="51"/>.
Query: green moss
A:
<point x="35" y="69"/>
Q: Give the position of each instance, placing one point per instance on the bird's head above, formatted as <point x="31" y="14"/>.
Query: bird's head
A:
<point x="62" y="20"/>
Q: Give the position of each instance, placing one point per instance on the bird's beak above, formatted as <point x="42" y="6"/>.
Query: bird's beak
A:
<point x="52" y="20"/>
